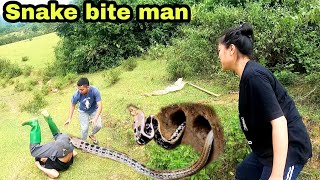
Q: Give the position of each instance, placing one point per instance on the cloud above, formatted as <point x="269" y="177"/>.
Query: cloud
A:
<point x="34" y="2"/>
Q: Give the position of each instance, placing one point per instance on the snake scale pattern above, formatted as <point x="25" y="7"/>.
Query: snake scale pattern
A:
<point x="151" y="128"/>
<point x="151" y="131"/>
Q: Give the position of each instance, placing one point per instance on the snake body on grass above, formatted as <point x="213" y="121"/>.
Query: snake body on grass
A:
<point x="156" y="174"/>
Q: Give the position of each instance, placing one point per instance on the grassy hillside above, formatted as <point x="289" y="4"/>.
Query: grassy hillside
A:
<point x="39" y="50"/>
<point x="147" y="77"/>
<point x="117" y="133"/>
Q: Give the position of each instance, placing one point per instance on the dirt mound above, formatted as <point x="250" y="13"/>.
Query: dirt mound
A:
<point x="200" y="119"/>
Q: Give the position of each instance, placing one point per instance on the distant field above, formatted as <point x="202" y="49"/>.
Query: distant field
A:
<point x="39" y="50"/>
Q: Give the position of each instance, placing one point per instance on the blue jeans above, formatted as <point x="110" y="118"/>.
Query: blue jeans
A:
<point x="251" y="169"/>
<point x="84" y="123"/>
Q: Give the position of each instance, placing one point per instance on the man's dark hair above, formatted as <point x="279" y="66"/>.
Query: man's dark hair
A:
<point x="83" y="82"/>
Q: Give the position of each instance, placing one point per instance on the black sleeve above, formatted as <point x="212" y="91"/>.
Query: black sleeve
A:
<point x="263" y="100"/>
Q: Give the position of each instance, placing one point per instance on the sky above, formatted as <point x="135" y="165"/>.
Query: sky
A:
<point x="35" y="2"/>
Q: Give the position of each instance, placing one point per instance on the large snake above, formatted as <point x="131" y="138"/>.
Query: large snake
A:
<point x="143" y="134"/>
<point x="151" y="130"/>
<point x="123" y="158"/>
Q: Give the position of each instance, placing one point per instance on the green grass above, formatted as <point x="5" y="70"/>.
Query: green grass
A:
<point x="117" y="132"/>
<point x="39" y="50"/>
<point x="117" y="124"/>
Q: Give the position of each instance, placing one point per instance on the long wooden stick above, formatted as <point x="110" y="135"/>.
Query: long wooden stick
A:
<point x="211" y="93"/>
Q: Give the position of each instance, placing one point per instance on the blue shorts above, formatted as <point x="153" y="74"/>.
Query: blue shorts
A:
<point x="252" y="169"/>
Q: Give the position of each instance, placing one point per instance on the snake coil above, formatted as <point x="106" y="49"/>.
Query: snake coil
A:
<point x="150" y="129"/>
<point x="123" y="158"/>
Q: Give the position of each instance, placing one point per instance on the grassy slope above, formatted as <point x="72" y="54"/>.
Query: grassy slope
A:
<point x="38" y="49"/>
<point x="116" y="134"/>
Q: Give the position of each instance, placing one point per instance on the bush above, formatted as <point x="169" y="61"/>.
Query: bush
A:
<point x="156" y="51"/>
<point x="313" y="78"/>
<point x="32" y="82"/>
<point x="313" y="95"/>
<point x="194" y="52"/>
<point x="63" y="81"/>
<point x="24" y="58"/>
<point x="49" y="72"/>
<point x="178" y="69"/>
<point x="236" y="148"/>
<point x="9" y="70"/>
<point x="112" y="76"/>
<point x="29" y="85"/>
<point x="3" y="83"/>
<point x="70" y="78"/>
<point x="129" y="64"/>
<point x="286" y="77"/>
<point x="19" y="87"/>
<point x="26" y="70"/>
<point x="38" y="102"/>
<point x="111" y="42"/>
<point x="285" y="33"/>
<point x="192" y="55"/>
<point x="45" y="90"/>
<point x="291" y="43"/>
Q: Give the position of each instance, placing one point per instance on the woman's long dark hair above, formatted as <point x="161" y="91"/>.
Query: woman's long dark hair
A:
<point x="241" y="37"/>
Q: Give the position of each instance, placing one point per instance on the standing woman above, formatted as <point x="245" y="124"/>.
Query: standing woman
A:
<point x="268" y="117"/>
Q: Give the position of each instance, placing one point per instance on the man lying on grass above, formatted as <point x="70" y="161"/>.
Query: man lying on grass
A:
<point x="54" y="156"/>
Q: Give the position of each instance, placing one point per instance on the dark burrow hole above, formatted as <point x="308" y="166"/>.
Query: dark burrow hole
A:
<point x="201" y="124"/>
<point x="178" y="117"/>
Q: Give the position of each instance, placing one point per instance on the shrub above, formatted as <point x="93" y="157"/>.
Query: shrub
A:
<point x="178" y="69"/>
<point x="291" y="43"/>
<point x="3" y="84"/>
<point x="110" y="42"/>
<point x="192" y="55"/>
<point x="112" y="76"/>
<point x="129" y="64"/>
<point x="59" y="84"/>
<point x="285" y="32"/>
<point x="19" y="87"/>
<point x="38" y="102"/>
<point x="157" y="51"/>
<point x="286" y="77"/>
<point x="32" y="82"/>
<point x="45" y="90"/>
<point x="3" y="105"/>
<point x="29" y="85"/>
<point x="70" y="78"/>
<point x="313" y="95"/>
<point x="24" y="58"/>
<point x="9" y="70"/>
<point x="313" y="78"/>
<point x="48" y="72"/>
<point x="26" y="70"/>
